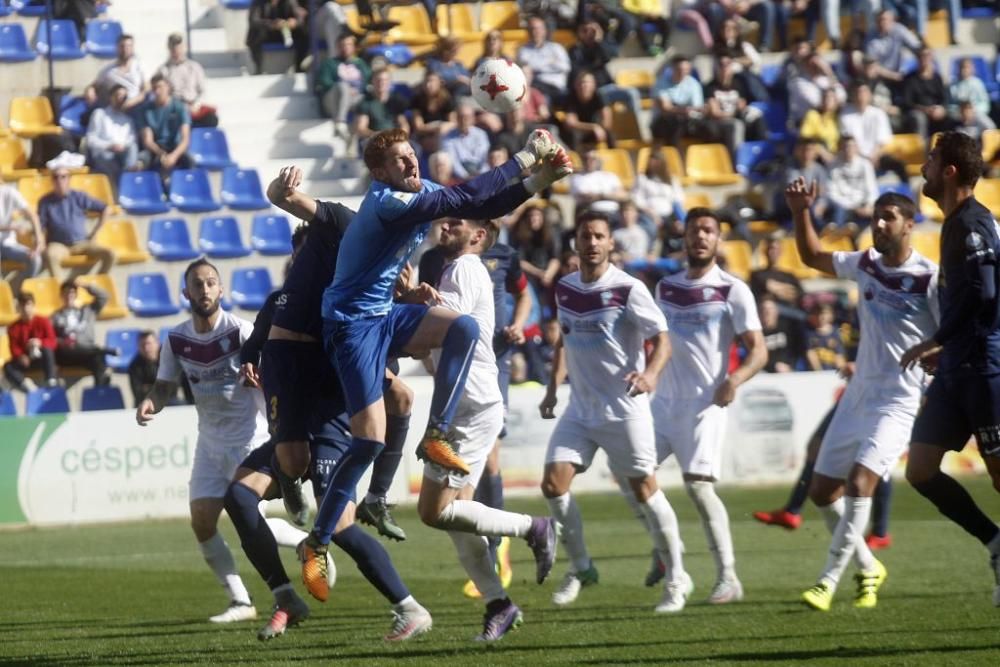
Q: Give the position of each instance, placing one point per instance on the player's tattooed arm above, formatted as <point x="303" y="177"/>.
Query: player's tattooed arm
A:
<point x="558" y="376"/>
<point x="155" y="401"/>
<point x="755" y="360"/>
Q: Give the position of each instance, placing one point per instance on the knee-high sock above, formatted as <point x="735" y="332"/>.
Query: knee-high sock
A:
<point x="800" y="492"/>
<point x="629" y="495"/>
<point x="847" y="537"/>
<point x="954" y="502"/>
<point x="715" y="521"/>
<point x="474" y="555"/>
<point x="346" y="475"/>
<point x="285" y="534"/>
<point x="386" y="463"/>
<point x="373" y="561"/>
<point x="565" y="511"/>
<point x="453" y="369"/>
<point x="468" y="516"/>
<point x="881" y="504"/>
<point x="662" y="522"/>
<point x="256" y="536"/>
<point x="220" y="560"/>
<point x="832" y="515"/>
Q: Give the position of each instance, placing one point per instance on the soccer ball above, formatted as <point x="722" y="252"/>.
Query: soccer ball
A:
<point x="498" y="85"/>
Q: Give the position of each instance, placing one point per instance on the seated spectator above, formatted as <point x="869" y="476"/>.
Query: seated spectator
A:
<point x="973" y="124"/>
<point x="615" y="23"/>
<point x="32" y="346"/>
<point x="63" y="216"/>
<point x="547" y="59"/>
<point x="776" y="283"/>
<point x="746" y="60"/>
<point x="822" y="125"/>
<point x="332" y="21"/>
<point x="761" y="12"/>
<point x="440" y="169"/>
<point x="657" y="194"/>
<point x="11" y="202"/>
<point x="631" y="239"/>
<point x="595" y="189"/>
<point x="925" y="98"/>
<point x="467" y="144"/>
<point x="824" y="348"/>
<point x="111" y="139"/>
<point x="497" y="156"/>
<point x="381" y="108"/>
<point x="187" y="79"/>
<point x="852" y="56"/>
<point x="143" y="367"/>
<point x="800" y="52"/>
<point x="166" y="131"/>
<point x="588" y="118"/>
<point x="914" y="13"/>
<point x="535" y="109"/>
<point x="886" y="43"/>
<point x="870" y="128"/>
<point x="445" y="63"/>
<point x="74" y="328"/>
<point x="124" y="71"/>
<point x="883" y="95"/>
<point x="77" y="11"/>
<point x="805" y="91"/>
<point x="539" y="245"/>
<point x="433" y="107"/>
<point x="729" y="118"/>
<point x="970" y="88"/>
<point x="591" y="53"/>
<point x="679" y="103"/>
<point x="492" y="48"/>
<point x="341" y="82"/>
<point x="685" y="13"/>
<point x="649" y="12"/>
<point x="782" y="337"/>
<point x="277" y="21"/>
<point x="853" y="188"/>
<point x="805" y="164"/>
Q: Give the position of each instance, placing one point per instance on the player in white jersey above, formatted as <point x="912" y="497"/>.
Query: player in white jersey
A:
<point x="231" y="420"/>
<point x="606" y="317"/>
<point x="871" y="429"/>
<point x="446" y="497"/>
<point x="706" y="309"/>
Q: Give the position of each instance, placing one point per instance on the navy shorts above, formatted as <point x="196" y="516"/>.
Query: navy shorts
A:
<point x="300" y="387"/>
<point x="959" y="407"/>
<point x="359" y="349"/>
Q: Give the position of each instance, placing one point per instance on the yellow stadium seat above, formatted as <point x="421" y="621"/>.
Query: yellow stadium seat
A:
<point x="34" y="188"/>
<point x="31" y="117"/>
<point x="13" y="160"/>
<point x="672" y="156"/>
<point x="8" y="312"/>
<point x="96" y="185"/>
<point x="991" y="146"/>
<point x="122" y="237"/>
<point x="710" y="164"/>
<point x="4" y="349"/>
<point x="864" y="239"/>
<point x="929" y="207"/>
<point x="414" y="25"/>
<point x="790" y="260"/>
<point x="835" y="243"/>
<point x="739" y="258"/>
<point x="565" y="37"/>
<point x="499" y="16"/>
<point x="927" y="243"/>
<point x="625" y="128"/>
<point x="640" y="79"/>
<point x="46" y="293"/>
<point x="617" y="161"/>
<point x="696" y="200"/>
<point x="909" y="149"/>
<point x="114" y="309"/>
<point x="456" y="20"/>
<point x="763" y="227"/>
<point x="988" y="193"/>
<point x="468" y="52"/>
<point x="937" y="34"/>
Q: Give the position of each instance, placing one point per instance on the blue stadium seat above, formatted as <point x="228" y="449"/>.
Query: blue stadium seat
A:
<point x="127" y="342"/>
<point x="170" y="240"/>
<point x="14" y="47"/>
<point x="749" y="155"/>
<point x="7" y="407"/>
<point x="241" y="190"/>
<point x="46" y="401"/>
<point x="220" y="237"/>
<point x="271" y="234"/>
<point x="149" y="296"/>
<point x="102" y="398"/>
<point x="209" y="148"/>
<point x="5" y="8"/>
<point x="141" y="193"/>
<point x="65" y="40"/>
<point x="776" y="119"/>
<point x="399" y="55"/>
<point x="102" y="38"/>
<point x="237" y="4"/>
<point x="191" y="192"/>
<point x="71" y="110"/>
<point x="250" y="287"/>
<point x="770" y="75"/>
<point x="25" y="8"/>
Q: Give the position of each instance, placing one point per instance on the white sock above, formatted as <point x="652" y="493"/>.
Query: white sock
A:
<point x="474" y="555"/>
<point x="468" y="516"/>
<point x="832" y="513"/>
<point x="220" y="559"/>
<point x="629" y="495"/>
<point x="566" y="512"/>
<point x="662" y="522"/>
<point x="846" y="538"/>
<point x="715" y="521"/>
<point x="409" y="603"/>
<point x="285" y="534"/>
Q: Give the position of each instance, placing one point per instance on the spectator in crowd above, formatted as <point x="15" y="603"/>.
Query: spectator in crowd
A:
<point x="657" y="193"/>
<point x="277" y="21"/>
<point x="591" y="53"/>
<point x="779" y="284"/>
<point x="615" y="23"/>
<point x="77" y="11"/>
<point x="745" y="60"/>
<point x="970" y="88"/>
<point x="331" y="20"/>
<point x="883" y="96"/>
<point x="547" y="59"/>
<point x="440" y="169"/>
<point x="166" y="131"/>
<point x="111" y="138"/>
<point x="74" y="327"/>
<point x="782" y="337"/>
<point x="970" y="122"/>
<point x="11" y="202"/>
<point x="761" y="12"/>
<point x="679" y="103"/>
<point x="539" y="246"/>
<point x="433" y="108"/>
<point x="870" y="128"/>
<point x="467" y="144"/>
<point x="822" y="125"/>
<point x="142" y="371"/>
<point x="588" y="117"/>
<point x="535" y="110"/>
<point x="341" y="82"/>
<point x="853" y="188"/>
<point x="805" y="91"/>
<point x="650" y="12"/>
<point x="497" y="156"/>
<point x="860" y="9"/>
<point x="730" y="119"/>
<point x="63" y="216"/>
<point x="445" y="63"/>
<point x="852" y="55"/>
<point x="915" y="13"/>
<point x="492" y="48"/>
<point x="32" y="346"/>
<point x="886" y="43"/>
<point x="187" y="80"/>
<point x="685" y="13"/>
<point x="381" y="108"/>
<point x="631" y="239"/>
<point x="805" y="164"/>
<point x="539" y="351"/>
<point x="595" y="189"/>
<point x="800" y="52"/>
<point x="125" y="71"/>
<point x="785" y="10"/>
<point x="925" y="98"/>
<point x="824" y="348"/>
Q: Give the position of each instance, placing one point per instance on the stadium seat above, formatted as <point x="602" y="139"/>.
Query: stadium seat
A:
<point x="251" y="287"/>
<point x="96" y="185"/>
<point x="617" y="161"/>
<point x="928" y="243"/>
<point x="14" y="47"/>
<point x="32" y="117"/>
<point x="709" y="164"/>
<point x="141" y="193"/>
<point x="456" y="19"/>
<point x="127" y="343"/>
<point x="670" y="154"/>
<point x="122" y="237"/>
<point x="71" y="112"/>
<point x="237" y="4"/>
<point x="209" y="148"/>
<point x="13" y="160"/>
<point x="908" y="149"/>
<point x="26" y="8"/>
<point x="102" y="38"/>
<point x="414" y="25"/>
<point x="397" y="55"/>
<point x="220" y="237"/>
<point x="504" y="15"/>
<point x="4" y="349"/>
<point x="5" y="8"/>
<point x="835" y="243"/>
<point x="170" y="241"/>
<point x="696" y="199"/>
<point x="65" y="41"/>
<point x="929" y="208"/>
<point x="864" y="240"/>
<point x="739" y="258"/>
<point x="47" y="401"/>
<point x="113" y="309"/>
<point x="271" y="234"/>
<point x="108" y="397"/>
<point x="8" y="310"/>
<point x="241" y="190"/>
<point x="776" y="119"/>
<point x="46" y="293"/>
<point x="988" y="193"/>
<point x="191" y="192"/>
<point x="991" y="147"/>
<point x="7" y="407"/>
<point x="625" y="128"/>
<point x="751" y="154"/>
<point x="149" y="295"/>
<point x="641" y="80"/>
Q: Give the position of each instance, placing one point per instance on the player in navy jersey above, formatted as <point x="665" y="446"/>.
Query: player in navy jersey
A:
<point x="963" y="399"/>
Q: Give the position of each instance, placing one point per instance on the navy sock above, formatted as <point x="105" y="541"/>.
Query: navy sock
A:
<point x="373" y="561"/>
<point x="453" y="368"/>
<point x="256" y="538"/>
<point x="800" y="492"/>
<point x="489" y="492"/>
<point x="346" y="475"/>
<point x="881" y="504"/>
<point x="384" y="469"/>
<point x="954" y="502"/>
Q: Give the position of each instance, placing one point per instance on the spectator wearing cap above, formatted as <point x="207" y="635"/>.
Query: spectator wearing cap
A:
<point x="187" y="79"/>
<point x="11" y="202"/>
<point x="112" y="145"/>
<point x="63" y="216"/>
<point x="32" y="346"/>
<point x="126" y="71"/>
<point x="74" y="327"/>
<point x="166" y="131"/>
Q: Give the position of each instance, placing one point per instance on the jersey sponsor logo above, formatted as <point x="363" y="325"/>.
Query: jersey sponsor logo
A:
<point x="683" y="296"/>
<point x="974" y="241"/>
<point x="491" y="264"/>
<point x="897" y="282"/>
<point x="282" y="299"/>
<point x="205" y="353"/>
<point x="404" y="197"/>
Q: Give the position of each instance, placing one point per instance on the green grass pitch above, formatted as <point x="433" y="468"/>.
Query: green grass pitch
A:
<point x="139" y="594"/>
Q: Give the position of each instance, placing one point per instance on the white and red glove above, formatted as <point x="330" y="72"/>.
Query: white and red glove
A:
<point x="553" y="168"/>
<point x="540" y="145"/>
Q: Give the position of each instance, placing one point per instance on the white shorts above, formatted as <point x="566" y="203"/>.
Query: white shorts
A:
<point x="213" y="469"/>
<point x="628" y="444"/>
<point x="862" y="432"/>
<point x="694" y="434"/>
<point x="476" y="431"/>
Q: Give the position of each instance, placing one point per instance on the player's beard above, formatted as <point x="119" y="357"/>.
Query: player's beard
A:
<point x="933" y="188"/>
<point x="208" y="311"/>
<point x="699" y="262"/>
